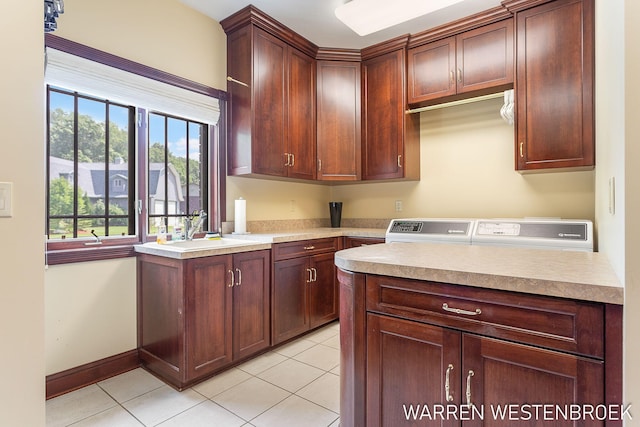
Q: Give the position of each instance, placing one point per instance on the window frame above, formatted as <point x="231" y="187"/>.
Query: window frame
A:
<point x="76" y="250"/>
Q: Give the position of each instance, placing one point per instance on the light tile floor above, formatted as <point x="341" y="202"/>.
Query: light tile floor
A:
<point x="293" y="385"/>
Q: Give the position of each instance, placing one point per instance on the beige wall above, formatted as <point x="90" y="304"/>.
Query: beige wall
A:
<point x="467" y="170"/>
<point x="22" y="242"/>
<point x="632" y="205"/>
<point x="90" y="312"/>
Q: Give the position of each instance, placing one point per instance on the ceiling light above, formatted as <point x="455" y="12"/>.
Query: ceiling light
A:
<point x="368" y="16"/>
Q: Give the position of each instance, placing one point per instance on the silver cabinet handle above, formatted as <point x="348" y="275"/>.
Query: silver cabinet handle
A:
<point x="319" y="165"/>
<point x="233" y="279"/>
<point x="459" y="75"/>
<point x="293" y="159"/>
<point x="310" y="275"/>
<point x="315" y="275"/>
<point x="288" y="162"/>
<point x="399" y="160"/>
<point x="308" y="248"/>
<point x="239" y="282"/>
<point x="453" y="81"/>
<point x="469" y="387"/>
<point x="446" y="307"/>
<point x="448" y="395"/>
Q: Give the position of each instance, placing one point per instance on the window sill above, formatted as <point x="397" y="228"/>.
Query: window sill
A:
<point x="68" y="256"/>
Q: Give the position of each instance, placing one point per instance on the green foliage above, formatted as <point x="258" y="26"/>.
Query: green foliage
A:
<point x="91" y="138"/>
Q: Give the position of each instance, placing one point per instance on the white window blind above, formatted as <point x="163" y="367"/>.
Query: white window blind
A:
<point x="93" y="78"/>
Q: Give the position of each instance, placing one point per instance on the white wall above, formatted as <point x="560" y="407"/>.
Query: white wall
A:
<point x="22" y="235"/>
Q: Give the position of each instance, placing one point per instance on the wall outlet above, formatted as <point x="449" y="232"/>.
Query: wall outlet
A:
<point x="398" y="205"/>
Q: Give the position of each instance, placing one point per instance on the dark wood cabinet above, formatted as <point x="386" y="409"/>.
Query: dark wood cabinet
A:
<point x="391" y="146"/>
<point x="428" y="344"/>
<point x="477" y="60"/>
<point x="304" y="287"/>
<point x="197" y="316"/>
<point x="354" y="242"/>
<point x="272" y="104"/>
<point x="339" y="120"/>
<point x="555" y="85"/>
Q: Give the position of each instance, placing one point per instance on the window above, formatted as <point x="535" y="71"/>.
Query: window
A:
<point x="90" y="142"/>
<point x="128" y="148"/>
<point x="176" y="171"/>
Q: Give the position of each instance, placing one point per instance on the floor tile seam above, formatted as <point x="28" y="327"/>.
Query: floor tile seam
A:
<point x="266" y="369"/>
<point x="135" y="397"/>
<point x="116" y="403"/>
<point x="188" y="409"/>
<point x="317" y="404"/>
<point x="317" y="367"/>
<point x="300" y="388"/>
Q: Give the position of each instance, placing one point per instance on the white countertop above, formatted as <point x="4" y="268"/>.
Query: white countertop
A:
<point x="576" y="275"/>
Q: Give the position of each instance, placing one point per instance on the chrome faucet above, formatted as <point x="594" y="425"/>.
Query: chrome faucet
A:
<point x="193" y="225"/>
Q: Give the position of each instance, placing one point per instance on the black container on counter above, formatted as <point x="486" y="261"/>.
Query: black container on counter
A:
<point x="335" y="211"/>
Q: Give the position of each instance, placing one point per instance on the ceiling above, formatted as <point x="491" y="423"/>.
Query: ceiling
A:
<point x="315" y="19"/>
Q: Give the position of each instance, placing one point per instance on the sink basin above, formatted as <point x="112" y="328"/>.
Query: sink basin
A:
<point x="200" y="244"/>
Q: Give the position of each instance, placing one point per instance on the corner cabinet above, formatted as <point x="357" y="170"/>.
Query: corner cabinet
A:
<point x="197" y="316"/>
<point x="554" y="85"/>
<point x="272" y="104"/>
<point x="339" y="116"/>
<point x="391" y="138"/>
<point x="476" y="60"/>
<point x="304" y="287"/>
<point x="427" y="345"/>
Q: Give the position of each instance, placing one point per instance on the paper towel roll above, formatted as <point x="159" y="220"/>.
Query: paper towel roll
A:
<point x="241" y="216"/>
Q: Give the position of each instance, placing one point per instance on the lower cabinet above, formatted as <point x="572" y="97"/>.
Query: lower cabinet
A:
<point x="197" y="316"/>
<point x="415" y="369"/>
<point x="434" y="354"/>
<point x="304" y="287"/>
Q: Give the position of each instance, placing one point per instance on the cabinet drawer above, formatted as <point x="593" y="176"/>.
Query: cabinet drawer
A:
<point x="566" y="325"/>
<point x="303" y="248"/>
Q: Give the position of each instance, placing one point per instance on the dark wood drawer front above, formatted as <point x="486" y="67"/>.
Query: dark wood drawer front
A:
<point x="566" y="325"/>
<point x="303" y="248"/>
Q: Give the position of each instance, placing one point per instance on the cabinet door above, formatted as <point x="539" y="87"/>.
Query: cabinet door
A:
<point x="251" y="329"/>
<point x="554" y="71"/>
<point x="270" y="104"/>
<point x="301" y="126"/>
<point x="208" y="314"/>
<point x="408" y="363"/>
<point x="339" y="121"/>
<point x="323" y="290"/>
<point x="484" y="57"/>
<point x="497" y="373"/>
<point x="289" y="298"/>
<point x="384" y="111"/>
<point x="432" y="70"/>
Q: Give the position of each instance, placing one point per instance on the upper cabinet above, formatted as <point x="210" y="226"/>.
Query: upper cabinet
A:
<point x="475" y="60"/>
<point x="391" y="138"/>
<point x="555" y="85"/>
<point x="339" y="117"/>
<point x="271" y="99"/>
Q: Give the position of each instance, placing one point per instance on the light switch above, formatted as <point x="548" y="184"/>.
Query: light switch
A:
<point x="5" y="199"/>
